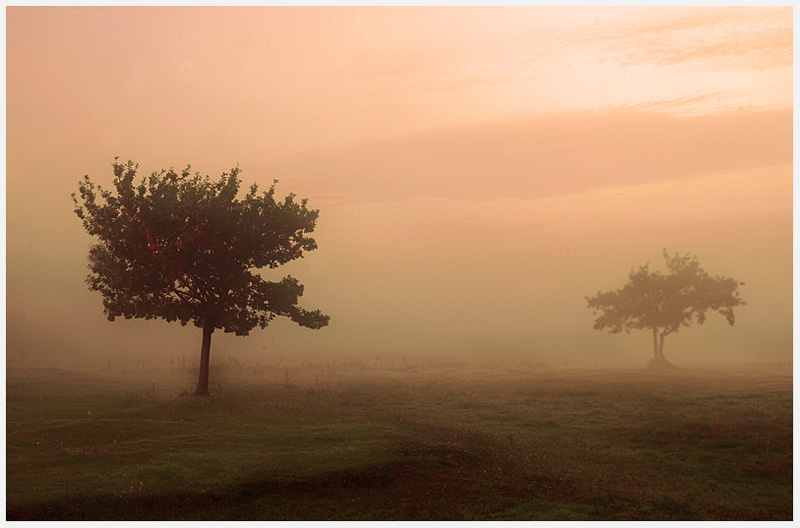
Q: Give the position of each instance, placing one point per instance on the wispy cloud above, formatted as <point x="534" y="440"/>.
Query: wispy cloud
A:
<point x="686" y="105"/>
<point x="709" y="38"/>
<point x="551" y="155"/>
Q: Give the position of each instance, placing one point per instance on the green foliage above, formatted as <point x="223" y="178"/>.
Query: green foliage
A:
<point x="664" y="303"/>
<point x="181" y="247"/>
<point x="651" y="299"/>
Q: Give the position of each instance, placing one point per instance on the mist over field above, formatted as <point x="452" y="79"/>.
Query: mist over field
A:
<point x="482" y="175"/>
<point x="466" y="210"/>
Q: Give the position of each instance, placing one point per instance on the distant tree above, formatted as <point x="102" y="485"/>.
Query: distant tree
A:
<point x="181" y="247"/>
<point x="663" y="303"/>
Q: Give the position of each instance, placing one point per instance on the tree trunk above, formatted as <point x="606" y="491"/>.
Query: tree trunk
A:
<point x="202" y="382"/>
<point x="655" y="346"/>
<point x="659" y="361"/>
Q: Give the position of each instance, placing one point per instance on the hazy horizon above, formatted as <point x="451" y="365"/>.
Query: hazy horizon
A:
<point x="478" y="171"/>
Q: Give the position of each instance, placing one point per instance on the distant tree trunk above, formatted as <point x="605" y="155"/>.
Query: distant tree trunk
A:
<point x="655" y="345"/>
<point x="659" y="361"/>
<point x="202" y="382"/>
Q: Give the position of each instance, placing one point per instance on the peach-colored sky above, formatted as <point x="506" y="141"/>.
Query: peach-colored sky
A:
<point x="478" y="170"/>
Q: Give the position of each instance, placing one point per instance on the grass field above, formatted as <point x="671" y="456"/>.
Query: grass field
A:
<point x="439" y="442"/>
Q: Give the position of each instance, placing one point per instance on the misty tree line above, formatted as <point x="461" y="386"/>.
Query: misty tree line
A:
<point x="180" y="247"/>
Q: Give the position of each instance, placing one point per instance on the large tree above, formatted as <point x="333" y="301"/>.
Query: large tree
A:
<point x="663" y="303"/>
<point x="181" y="247"/>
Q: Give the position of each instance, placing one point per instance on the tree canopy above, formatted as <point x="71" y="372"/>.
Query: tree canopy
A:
<point x="663" y="303"/>
<point x="181" y="247"/>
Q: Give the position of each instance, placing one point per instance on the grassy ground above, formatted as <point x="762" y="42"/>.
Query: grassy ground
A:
<point x="446" y="442"/>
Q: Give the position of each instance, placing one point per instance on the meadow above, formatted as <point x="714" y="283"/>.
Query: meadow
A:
<point x="378" y="441"/>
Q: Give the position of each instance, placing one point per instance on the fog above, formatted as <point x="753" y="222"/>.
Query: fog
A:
<point x="470" y="196"/>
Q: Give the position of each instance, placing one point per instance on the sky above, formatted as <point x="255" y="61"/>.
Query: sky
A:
<point x="478" y="171"/>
